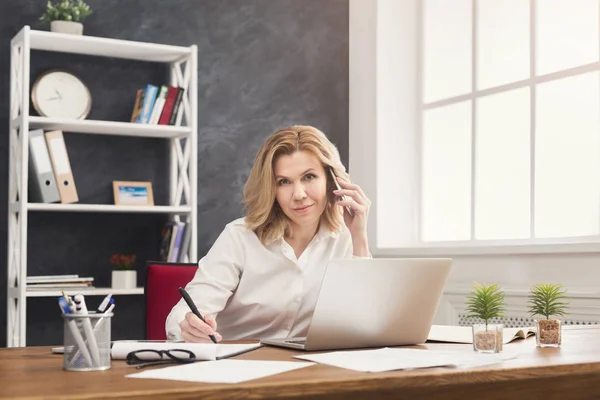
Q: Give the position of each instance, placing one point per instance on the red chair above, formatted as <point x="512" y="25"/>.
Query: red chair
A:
<point x="162" y="283"/>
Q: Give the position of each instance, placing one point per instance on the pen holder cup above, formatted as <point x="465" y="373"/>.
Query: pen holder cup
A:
<point x="87" y="342"/>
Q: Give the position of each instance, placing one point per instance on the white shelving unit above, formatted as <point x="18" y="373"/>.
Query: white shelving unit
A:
<point x="182" y="62"/>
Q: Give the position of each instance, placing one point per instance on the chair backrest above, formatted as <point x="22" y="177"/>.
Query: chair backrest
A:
<point x="162" y="283"/>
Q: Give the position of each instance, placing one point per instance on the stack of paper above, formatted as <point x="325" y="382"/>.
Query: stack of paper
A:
<point x="390" y="359"/>
<point x="47" y="282"/>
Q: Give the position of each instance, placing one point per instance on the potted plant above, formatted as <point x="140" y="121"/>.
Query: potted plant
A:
<point x="65" y="16"/>
<point x="547" y="299"/>
<point x="124" y="276"/>
<point x="486" y="302"/>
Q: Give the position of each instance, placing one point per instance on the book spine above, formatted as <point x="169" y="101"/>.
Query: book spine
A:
<point x="172" y="244"/>
<point x="158" y="105"/>
<point x="149" y="98"/>
<point x="185" y="243"/>
<point x="176" y="106"/>
<point x="45" y="277"/>
<point x="177" y="246"/>
<point x="165" y="242"/>
<point x="137" y="108"/>
<point x="168" y="108"/>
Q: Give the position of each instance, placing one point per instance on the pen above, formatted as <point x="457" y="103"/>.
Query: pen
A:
<point x="99" y="324"/>
<point x="64" y="306"/>
<point x="192" y="306"/>
<point x="105" y="303"/>
<point x="81" y="309"/>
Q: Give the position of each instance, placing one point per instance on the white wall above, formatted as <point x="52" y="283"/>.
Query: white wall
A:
<point x="383" y="125"/>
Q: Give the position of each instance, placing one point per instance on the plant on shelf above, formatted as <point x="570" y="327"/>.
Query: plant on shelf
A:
<point x="66" y="16"/>
<point x="123" y="276"/>
<point x="123" y="261"/>
<point x="486" y="302"/>
<point x="547" y="300"/>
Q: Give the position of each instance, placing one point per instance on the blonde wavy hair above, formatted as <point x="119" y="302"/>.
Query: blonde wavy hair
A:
<point x="264" y="216"/>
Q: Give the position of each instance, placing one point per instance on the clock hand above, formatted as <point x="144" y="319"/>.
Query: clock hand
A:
<point x="53" y="98"/>
<point x="58" y="94"/>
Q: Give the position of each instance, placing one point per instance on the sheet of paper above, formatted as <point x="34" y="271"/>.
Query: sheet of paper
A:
<point x="222" y="371"/>
<point x="464" y="334"/>
<point x="203" y="351"/>
<point x="388" y="359"/>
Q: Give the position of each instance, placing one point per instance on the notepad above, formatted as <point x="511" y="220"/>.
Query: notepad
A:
<point x="203" y="351"/>
<point x="464" y="334"/>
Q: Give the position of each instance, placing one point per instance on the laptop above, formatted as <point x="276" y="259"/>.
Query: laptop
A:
<point x="373" y="303"/>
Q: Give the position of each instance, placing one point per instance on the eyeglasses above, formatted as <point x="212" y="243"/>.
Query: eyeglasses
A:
<point x="148" y="357"/>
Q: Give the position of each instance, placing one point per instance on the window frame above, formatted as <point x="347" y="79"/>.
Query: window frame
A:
<point x="372" y="24"/>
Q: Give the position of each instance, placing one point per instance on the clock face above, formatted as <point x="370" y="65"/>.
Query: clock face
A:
<point x="59" y="94"/>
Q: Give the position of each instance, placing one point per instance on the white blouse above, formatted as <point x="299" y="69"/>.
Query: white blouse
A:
<point x="256" y="291"/>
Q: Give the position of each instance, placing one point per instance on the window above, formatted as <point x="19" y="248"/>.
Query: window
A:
<point x="509" y="121"/>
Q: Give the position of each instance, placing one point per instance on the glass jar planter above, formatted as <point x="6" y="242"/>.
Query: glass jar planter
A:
<point x="548" y="332"/>
<point x="487" y="339"/>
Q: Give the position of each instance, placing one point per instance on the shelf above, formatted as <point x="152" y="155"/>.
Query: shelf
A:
<point x="108" y="208"/>
<point x="182" y="63"/>
<point x="13" y="292"/>
<point x="106" y="47"/>
<point x="107" y="127"/>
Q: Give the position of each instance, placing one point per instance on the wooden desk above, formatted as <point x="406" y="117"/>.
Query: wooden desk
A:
<point x="569" y="373"/>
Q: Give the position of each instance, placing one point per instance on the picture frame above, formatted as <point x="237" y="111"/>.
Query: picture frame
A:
<point x="128" y="193"/>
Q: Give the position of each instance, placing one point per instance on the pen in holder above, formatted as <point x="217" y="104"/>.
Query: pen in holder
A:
<point x="81" y="353"/>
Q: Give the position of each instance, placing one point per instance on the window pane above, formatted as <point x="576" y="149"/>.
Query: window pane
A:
<point x="446" y="190"/>
<point x="447" y="48"/>
<point x="567" y="34"/>
<point x="502" y="42"/>
<point x="502" y="190"/>
<point x="567" y="176"/>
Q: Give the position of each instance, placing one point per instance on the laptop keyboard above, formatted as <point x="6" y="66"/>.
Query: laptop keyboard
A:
<point x="296" y="341"/>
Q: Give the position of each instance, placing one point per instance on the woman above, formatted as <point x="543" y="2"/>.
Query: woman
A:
<point x="261" y="277"/>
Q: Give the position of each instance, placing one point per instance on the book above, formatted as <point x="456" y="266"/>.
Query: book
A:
<point x="46" y="286"/>
<point x="464" y="334"/>
<point x="185" y="243"/>
<point x="176" y="106"/>
<point x="150" y="92"/>
<point x="174" y="254"/>
<point x="46" y="278"/>
<point x="137" y="107"/>
<point x="168" y="107"/>
<point x="158" y="105"/>
<point x="165" y="241"/>
<point x="176" y="228"/>
<point x="59" y="287"/>
<point x="33" y="281"/>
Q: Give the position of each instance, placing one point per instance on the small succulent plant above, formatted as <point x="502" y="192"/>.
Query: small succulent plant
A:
<point x="547" y="299"/>
<point x="485" y="302"/>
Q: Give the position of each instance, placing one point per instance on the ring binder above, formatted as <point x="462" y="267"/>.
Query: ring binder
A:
<point x="62" y="167"/>
<point x="43" y="182"/>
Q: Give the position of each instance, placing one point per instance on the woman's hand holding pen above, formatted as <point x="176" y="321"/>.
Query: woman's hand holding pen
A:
<point x="360" y="204"/>
<point x="195" y="331"/>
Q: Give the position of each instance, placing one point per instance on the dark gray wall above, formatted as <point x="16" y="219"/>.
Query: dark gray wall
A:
<point x="263" y="64"/>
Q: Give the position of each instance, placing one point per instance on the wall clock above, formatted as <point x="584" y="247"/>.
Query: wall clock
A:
<point x="59" y="93"/>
